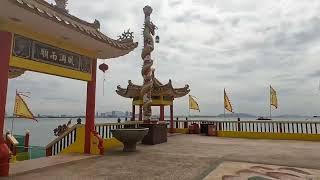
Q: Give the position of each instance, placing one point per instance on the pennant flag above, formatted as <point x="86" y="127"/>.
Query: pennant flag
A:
<point x="21" y="109"/>
<point x="273" y="98"/>
<point x="227" y="104"/>
<point x="193" y="103"/>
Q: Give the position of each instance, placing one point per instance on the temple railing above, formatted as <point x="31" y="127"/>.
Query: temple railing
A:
<point x="104" y="129"/>
<point x="101" y="131"/>
<point x="303" y="127"/>
<point x="63" y="141"/>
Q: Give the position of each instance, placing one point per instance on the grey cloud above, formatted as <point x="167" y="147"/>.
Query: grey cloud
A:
<point x="243" y="46"/>
<point x="174" y="3"/>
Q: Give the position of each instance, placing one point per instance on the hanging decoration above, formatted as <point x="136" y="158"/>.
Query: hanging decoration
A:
<point x="103" y="67"/>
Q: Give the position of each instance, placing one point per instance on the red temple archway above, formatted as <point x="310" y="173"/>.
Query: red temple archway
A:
<point x="38" y="36"/>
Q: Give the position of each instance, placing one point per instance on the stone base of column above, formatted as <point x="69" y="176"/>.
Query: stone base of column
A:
<point x="157" y="134"/>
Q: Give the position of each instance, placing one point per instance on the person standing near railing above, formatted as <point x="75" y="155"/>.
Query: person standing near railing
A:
<point x="79" y="121"/>
<point x="239" y="125"/>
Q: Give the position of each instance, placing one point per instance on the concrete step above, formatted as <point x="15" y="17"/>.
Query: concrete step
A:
<point x="22" y="167"/>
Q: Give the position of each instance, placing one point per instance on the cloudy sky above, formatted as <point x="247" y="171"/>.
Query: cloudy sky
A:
<point x="243" y="46"/>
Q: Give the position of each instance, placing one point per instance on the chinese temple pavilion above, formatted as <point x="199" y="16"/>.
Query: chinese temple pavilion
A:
<point x="46" y="38"/>
<point x="162" y="95"/>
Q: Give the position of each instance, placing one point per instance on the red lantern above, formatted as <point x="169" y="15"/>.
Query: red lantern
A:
<point x="103" y="67"/>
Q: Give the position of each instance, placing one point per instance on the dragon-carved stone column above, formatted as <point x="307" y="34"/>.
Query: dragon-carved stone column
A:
<point x="147" y="70"/>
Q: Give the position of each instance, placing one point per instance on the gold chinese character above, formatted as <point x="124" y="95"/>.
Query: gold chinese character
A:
<point x="70" y="60"/>
<point x="44" y="53"/>
<point x="53" y="56"/>
<point x="63" y="58"/>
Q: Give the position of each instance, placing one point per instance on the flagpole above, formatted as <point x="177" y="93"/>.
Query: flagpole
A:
<point x="189" y="107"/>
<point x="13" y="115"/>
<point x="270" y="99"/>
<point x="12" y="125"/>
<point x="189" y="113"/>
<point x="224" y="108"/>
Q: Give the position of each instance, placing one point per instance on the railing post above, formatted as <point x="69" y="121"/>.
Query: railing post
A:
<point x="239" y="125"/>
<point x="26" y="141"/>
<point x="49" y="151"/>
<point x="177" y="122"/>
<point x="185" y="125"/>
<point x="280" y="124"/>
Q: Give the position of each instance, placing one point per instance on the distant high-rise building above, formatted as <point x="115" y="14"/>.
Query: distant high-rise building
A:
<point x="103" y="115"/>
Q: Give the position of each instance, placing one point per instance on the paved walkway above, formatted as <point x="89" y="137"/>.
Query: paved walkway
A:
<point x="23" y="167"/>
<point x="189" y="157"/>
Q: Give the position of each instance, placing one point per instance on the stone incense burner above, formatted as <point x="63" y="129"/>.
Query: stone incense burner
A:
<point x="129" y="137"/>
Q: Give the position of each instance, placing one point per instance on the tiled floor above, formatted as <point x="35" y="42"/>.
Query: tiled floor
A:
<point x="185" y="157"/>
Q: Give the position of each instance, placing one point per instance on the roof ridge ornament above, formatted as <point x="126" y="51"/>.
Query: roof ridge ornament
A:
<point x="96" y="24"/>
<point x="61" y="4"/>
<point x="126" y="36"/>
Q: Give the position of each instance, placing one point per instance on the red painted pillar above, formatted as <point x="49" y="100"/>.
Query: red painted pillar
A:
<point x="5" y="50"/>
<point x="133" y="113"/>
<point x="90" y="109"/>
<point x="140" y="113"/>
<point x="171" y="118"/>
<point x="161" y="113"/>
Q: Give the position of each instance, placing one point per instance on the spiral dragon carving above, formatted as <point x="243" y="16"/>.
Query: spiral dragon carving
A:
<point x="147" y="70"/>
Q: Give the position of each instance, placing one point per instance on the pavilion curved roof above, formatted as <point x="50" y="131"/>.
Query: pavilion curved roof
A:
<point x="11" y="10"/>
<point x="159" y="89"/>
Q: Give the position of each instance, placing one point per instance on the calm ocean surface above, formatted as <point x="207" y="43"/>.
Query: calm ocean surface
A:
<point x="41" y="132"/>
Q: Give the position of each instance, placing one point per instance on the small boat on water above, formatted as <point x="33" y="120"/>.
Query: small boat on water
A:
<point x="263" y="118"/>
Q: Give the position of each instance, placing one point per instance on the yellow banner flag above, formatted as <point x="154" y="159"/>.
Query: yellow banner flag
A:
<point x="193" y="103"/>
<point x="273" y="98"/>
<point x="21" y="109"/>
<point x="227" y="104"/>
